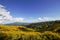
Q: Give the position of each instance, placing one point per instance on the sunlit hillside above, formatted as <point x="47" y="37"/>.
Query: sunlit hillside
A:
<point x="17" y="33"/>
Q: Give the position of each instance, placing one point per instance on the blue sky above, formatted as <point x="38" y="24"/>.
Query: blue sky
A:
<point x="32" y="9"/>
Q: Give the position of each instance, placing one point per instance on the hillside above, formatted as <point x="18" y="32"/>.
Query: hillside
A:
<point x="16" y="33"/>
<point x="46" y="26"/>
<point x="35" y="31"/>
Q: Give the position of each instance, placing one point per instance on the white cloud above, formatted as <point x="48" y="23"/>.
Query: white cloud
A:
<point x="43" y="19"/>
<point x="47" y="19"/>
<point x="18" y="19"/>
<point x="1" y="5"/>
<point x="5" y="16"/>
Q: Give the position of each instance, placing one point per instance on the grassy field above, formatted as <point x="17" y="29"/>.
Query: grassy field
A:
<point x="10" y="32"/>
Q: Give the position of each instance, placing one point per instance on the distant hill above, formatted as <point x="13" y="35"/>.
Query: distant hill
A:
<point x="18" y="23"/>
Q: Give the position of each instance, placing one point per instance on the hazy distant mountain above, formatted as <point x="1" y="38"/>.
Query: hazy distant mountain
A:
<point x="18" y="23"/>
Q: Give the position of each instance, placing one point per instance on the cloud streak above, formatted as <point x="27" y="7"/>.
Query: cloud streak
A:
<point x="44" y="19"/>
<point x="5" y="16"/>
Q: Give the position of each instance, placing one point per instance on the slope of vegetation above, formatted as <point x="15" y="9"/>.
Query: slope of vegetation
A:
<point x="35" y="31"/>
<point x="53" y="26"/>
